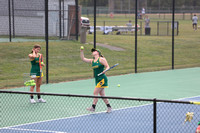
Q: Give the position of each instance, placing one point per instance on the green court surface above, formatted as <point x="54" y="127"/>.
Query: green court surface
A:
<point x="170" y="84"/>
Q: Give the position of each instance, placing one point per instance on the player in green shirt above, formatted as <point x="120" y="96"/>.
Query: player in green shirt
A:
<point x="35" y="72"/>
<point x="98" y="64"/>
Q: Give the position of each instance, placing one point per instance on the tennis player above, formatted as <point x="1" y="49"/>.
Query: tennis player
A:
<point x="98" y="64"/>
<point x="35" y="72"/>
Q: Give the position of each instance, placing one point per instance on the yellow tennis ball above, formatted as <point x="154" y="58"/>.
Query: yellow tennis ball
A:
<point x="42" y="63"/>
<point x="82" y="47"/>
<point x="118" y="85"/>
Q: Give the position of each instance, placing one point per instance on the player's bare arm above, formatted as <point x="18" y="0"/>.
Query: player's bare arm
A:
<point x="33" y="55"/>
<point x="105" y="63"/>
<point x="83" y="58"/>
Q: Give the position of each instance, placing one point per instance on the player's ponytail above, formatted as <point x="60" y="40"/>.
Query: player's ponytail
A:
<point x="101" y="56"/>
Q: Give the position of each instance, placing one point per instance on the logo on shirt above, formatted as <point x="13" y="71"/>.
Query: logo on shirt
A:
<point x="94" y="67"/>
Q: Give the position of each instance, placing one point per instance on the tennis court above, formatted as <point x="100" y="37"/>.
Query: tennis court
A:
<point x="63" y="114"/>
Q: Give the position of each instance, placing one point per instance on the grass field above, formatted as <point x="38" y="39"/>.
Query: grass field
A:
<point x="154" y="53"/>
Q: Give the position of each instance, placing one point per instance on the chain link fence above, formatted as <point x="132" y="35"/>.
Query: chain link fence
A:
<point x="67" y="113"/>
<point x="154" y="28"/>
<point x="154" y="43"/>
<point x="26" y="19"/>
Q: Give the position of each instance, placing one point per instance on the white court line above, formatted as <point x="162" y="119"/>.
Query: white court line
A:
<point x="11" y="127"/>
<point x="187" y="98"/>
<point x="35" y="130"/>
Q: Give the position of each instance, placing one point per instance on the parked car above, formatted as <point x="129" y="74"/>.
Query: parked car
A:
<point x="85" y="21"/>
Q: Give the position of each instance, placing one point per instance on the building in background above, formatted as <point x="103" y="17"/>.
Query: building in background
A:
<point x="28" y="17"/>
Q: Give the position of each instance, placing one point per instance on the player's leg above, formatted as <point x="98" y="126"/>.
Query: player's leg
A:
<point x="38" y="84"/>
<point x="95" y="93"/>
<point x="195" y="26"/>
<point x="95" y="100"/>
<point x="32" y="90"/>
<point x="102" y="93"/>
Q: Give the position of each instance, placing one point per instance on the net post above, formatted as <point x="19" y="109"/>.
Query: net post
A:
<point x="154" y="115"/>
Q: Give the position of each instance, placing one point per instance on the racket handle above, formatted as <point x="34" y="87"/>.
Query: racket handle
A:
<point x="100" y="74"/>
<point x="108" y="69"/>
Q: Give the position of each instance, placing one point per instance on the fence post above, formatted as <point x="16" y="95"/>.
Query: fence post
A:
<point x="104" y="29"/>
<point x="47" y="40"/>
<point x="9" y="18"/>
<point x="77" y="20"/>
<point x="177" y="28"/>
<point x="60" y="23"/>
<point x="13" y="18"/>
<point x="95" y="5"/>
<point x="158" y="28"/>
<point x="154" y="115"/>
<point x="164" y="15"/>
<point x="173" y="18"/>
<point x="141" y="28"/>
<point x="63" y="19"/>
<point x="167" y="28"/>
<point x="136" y="10"/>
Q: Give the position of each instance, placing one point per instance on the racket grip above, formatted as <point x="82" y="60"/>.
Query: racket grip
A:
<point x="100" y="74"/>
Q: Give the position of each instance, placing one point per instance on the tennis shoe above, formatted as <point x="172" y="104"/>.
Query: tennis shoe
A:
<point x="41" y="100"/>
<point x="109" y="109"/>
<point x="91" y="109"/>
<point x="32" y="101"/>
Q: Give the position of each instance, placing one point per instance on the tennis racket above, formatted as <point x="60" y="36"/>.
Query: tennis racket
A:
<point x="40" y="63"/>
<point x="108" y="69"/>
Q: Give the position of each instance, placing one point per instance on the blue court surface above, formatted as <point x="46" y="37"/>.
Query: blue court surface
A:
<point x="169" y="119"/>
